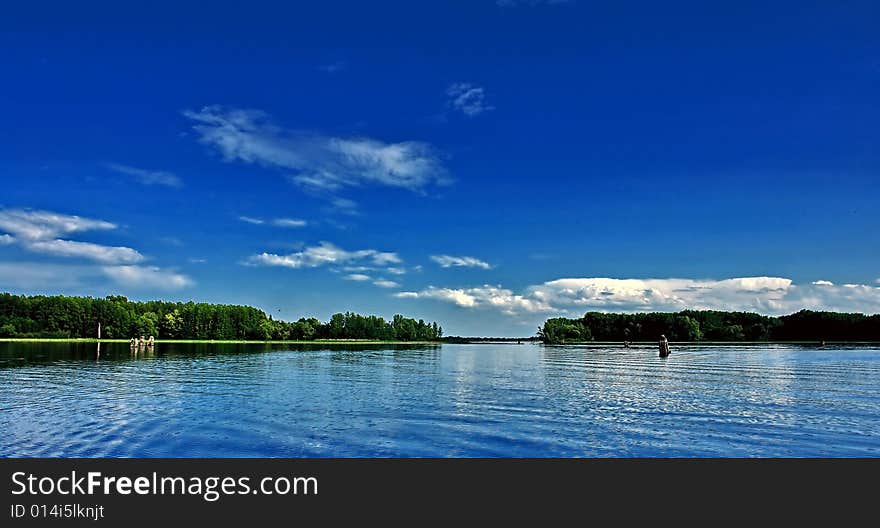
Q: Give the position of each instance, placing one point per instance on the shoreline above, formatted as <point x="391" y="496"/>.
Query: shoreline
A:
<point x="713" y="343"/>
<point x="217" y="342"/>
<point x="378" y="342"/>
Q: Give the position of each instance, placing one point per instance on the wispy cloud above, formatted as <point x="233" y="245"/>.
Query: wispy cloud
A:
<point x="449" y="261"/>
<point x="87" y="250"/>
<point x="147" y="277"/>
<point x="517" y="3"/>
<point x="344" y="206"/>
<point x="171" y="241"/>
<point x="393" y="270"/>
<point x="147" y="177"/>
<point x="321" y="163"/>
<point x="278" y="222"/>
<point x="573" y="296"/>
<point x="333" y="67"/>
<point x="39" y="232"/>
<point x="6" y="239"/>
<point x="29" y="224"/>
<point x="41" y="276"/>
<point x="468" y="99"/>
<point x="289" y="222"/>
<point x="324" y="254"/>
<point x="362" y="277"/>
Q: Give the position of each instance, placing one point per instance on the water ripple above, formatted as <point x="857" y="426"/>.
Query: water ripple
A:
<point x="455" y="400"/>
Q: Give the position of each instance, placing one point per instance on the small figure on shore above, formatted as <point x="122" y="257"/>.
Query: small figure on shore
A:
<point x="626" y="344"/>
<point x="143" y="341"/>
<point x="133" y="343"/>
<point x="151" y="341"/>
<point x="664" y="346"/>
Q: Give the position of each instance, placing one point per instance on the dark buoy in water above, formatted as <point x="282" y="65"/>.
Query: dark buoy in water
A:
<point x="664" y="346"/>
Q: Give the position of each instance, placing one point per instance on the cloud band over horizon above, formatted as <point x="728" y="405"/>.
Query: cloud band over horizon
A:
<point x="574" y="296"/>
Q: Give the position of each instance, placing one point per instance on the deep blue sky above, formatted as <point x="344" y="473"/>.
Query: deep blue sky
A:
<point x="700" y="141"/>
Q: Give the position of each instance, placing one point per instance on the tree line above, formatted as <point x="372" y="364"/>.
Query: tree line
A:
<point x="78" y="317"/>
<point x="712" y="325"/>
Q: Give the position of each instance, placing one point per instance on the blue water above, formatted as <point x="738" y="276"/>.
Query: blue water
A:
<point x="483" y="400"/>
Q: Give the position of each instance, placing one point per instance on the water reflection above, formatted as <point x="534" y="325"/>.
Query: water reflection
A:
<point x="263" y="399"/>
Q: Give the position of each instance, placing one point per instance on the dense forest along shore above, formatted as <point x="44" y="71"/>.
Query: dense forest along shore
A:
<point x="63" y="317"/>
<point x="713" y="326"/>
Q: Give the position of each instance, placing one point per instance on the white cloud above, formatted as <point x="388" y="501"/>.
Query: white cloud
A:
<point x="358" y="268"/>
<point x="362" y="269"/>
<point x="324" y="253"/>
<point x="147" y="177"/>
<point x="87" y="250"/>
<point x="321" y="163"/>
<point x="574" y="296"/>
<point x="289" y="222"/>
<point x="383" y="259"/>
<point x="385" y="283"/>
<point x="756" y="293"/>
<point x="359" y="277"/>
<point x="31" y="224"/>
<point x="277" y="222"/>
<point x="344" y="206"/>
<point x="822" y="283"/>
<point x="448" y="261"/>
<point x="38" y="231"/>
<point x="6" y="239"/>
<point x="47" y="277"/>
<point x="468" y="99"/>
<point x="147" y="277"/>
<point x="486" y="296"/>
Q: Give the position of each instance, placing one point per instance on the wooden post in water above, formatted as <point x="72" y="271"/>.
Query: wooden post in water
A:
<point x="99" y="330"/>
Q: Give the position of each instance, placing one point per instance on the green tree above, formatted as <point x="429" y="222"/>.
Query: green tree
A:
<point x="171" y="325"/>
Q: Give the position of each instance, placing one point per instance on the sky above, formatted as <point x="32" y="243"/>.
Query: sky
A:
<point x="485" y="164"/>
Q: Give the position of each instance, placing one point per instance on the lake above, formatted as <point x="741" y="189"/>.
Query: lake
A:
<point x="486" y="400"/>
